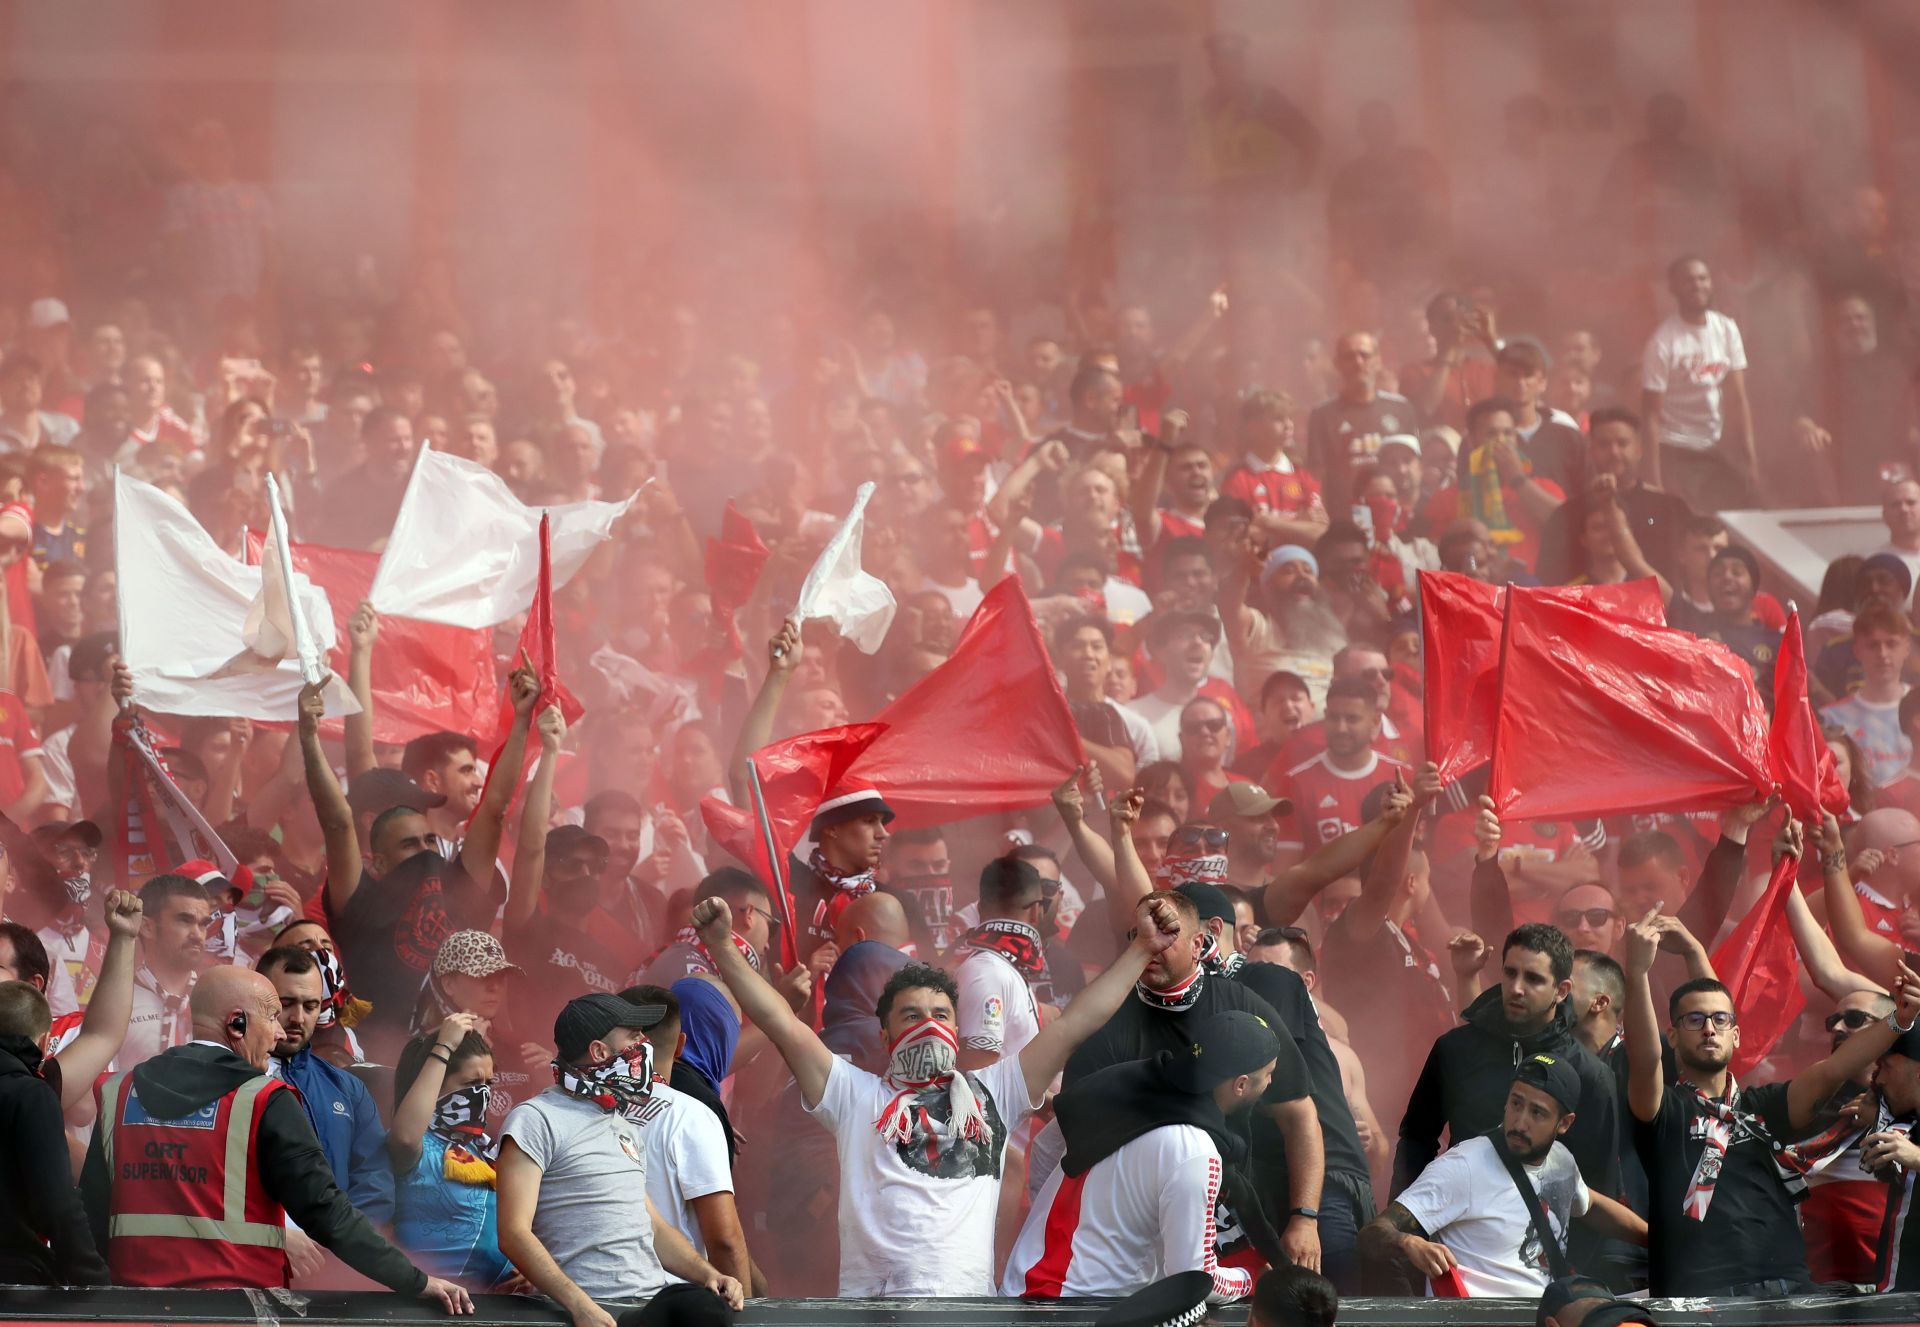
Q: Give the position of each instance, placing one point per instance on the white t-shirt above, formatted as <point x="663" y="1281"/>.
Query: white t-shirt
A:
<point x="57" y="765"/>
<point x="1162" y="716"/>
<point x="1140" y="735"/>
<point x="159" y="1023"/>
<point x="1143" y="1213"/>
<point x="962" y="598"/>
<point x="1465" y="1200"/>
<point x="1688" y="362"/>
<point x="996" y="1006"/>
<point x="686" y="1157"/>
<point x="1875" y="729"/>
<point x="906" y="1232"/>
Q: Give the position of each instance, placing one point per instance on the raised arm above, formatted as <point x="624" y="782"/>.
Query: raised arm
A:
<point x="329" y="804"/>
<point x="1817" y="952"/>
<point x="1368" y="913"/>
<point x="1857" y="943"/>
<point x="1853" y="1062"/>
<point x="104" y="1028"/>
<point x="1625" y="546"/>
<point x="756" y="730"/>
<point x="1706" y="908"/>
<point x="415" y="1111"/>
<point x="1156" y="929"/>
<point x="530" y="852"/>
<point x="1089" y="847"/>
<point x="1489" y="900"/>
<point x="1646" y="1079"/>
<point x="1048" y="458"/>
<point x="481" y="848"/>
<point x="1144" y="495"/>
<point x="1289" y="893"/>
<point x="363" y="629"/>
<point x="1131" y="883"/>
<point x="762" y="1005"/>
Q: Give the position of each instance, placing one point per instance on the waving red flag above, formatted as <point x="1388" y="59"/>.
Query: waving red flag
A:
<point x="988" y="730"/>
<point x="536" y="649"/>
<point x="426" y="678"/>
<point x="1461" y="622"/>
<point x="1759" y="962"/>
<point x="1602" y="716"/>
<point x="734" y="561"/>
<point x="794" y="776"/>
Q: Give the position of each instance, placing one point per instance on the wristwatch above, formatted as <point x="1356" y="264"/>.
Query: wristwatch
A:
<point x="1310" y="1213"/>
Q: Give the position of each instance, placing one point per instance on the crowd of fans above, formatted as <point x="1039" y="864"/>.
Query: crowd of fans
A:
<point x="1256" y="990"/>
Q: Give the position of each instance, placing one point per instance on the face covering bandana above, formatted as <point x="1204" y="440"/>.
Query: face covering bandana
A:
<point x="79" y="887"/>
<point x="625" y="1080"/>
<point x="921" y="1069"/>
<point x="341" y="1006"/>
<point x="1180" y="996"/>
<point x="689" y="937"/>
<point x="1221" y="965"/>
<point x="460" y="1117"/>
<point x="1014" y="941"/>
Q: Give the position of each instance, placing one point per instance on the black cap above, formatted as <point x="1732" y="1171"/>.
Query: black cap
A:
<point x="563" y="839"/>
<point x="1211" y="900"/>
<point x="1907" y="1044"/>
<point x="1179" y="1300"/>
<point x="84" y="830"/>
<point x="379" y="790"/>
<point x="589" y="1018"/>
<point x="688" y="1306"/>
<point x="1224" y="1046"/>
<point x="1567" y="1290"/>
<point x="1554" y="1075"/>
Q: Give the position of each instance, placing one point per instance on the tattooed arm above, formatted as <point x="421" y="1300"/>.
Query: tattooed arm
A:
<point x="1396" y="1236"/>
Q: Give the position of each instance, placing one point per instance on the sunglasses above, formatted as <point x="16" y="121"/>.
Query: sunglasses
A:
<point x="1594" y="918"/>
<point x="1722" y="1019"/>
<point x="1852" y="1019"/>
<point x="1197" y="836"/>
<point x="1210" y="726"/>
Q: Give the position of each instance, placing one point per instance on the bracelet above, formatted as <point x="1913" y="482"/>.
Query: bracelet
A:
<point x="442" y="1046"/>
<point x="1894" y="1024"/>
<point x="447" y="1060"/>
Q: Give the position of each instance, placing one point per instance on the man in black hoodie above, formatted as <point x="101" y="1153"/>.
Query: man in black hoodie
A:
<point x="145" y="1164"/>
<point x="44" y="1238"/>
<point x="1463" y="1088"/>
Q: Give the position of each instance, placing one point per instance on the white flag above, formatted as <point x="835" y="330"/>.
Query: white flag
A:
<point x="184" y="607"/>
<point x="860" y="605"/>
<point x="465" y="551"/>
<point x="273" y="630"/>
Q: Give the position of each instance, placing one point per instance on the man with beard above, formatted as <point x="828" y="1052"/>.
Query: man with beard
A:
<point x="173" y="942"/>
<point x="752" y="911"/>
<point x="392" y="911"/>
<point x="1000" y="962"/>
<point x="1135" y="1196"/>
<point x="1466" y="1216"/>
<point x="1326" y="790"/>
<point x="1117" y="738"/>
<point x="445" y="764"/>
<point x="921" y="1145"/>
<point x="1297" y="630"/>
<point x="1723" y="1177"/>
<point x="1846" y="1204"/>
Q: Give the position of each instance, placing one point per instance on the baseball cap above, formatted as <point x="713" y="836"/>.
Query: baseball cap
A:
<point x="1224" y="1046"/>
<point x="1210" y="899"/>
<point x="211" y="878"/>
<point x="1907" y="1044"/>
<point x="380" y="790"/>
<point x="563" y="839"/>
<point x="1567" y="1290"/>
<point x="45" y="313"/>
<point x="1552" y="1074"/>
<point x="84" y="830"/>
<point x="1164" y="625"/>
<point x="589" y="1018"/>
<point x="850" y="801"/>
<point x="1179" y="1300"/>
<point x="1247" y="800"/>
<point x="472" y="954"/>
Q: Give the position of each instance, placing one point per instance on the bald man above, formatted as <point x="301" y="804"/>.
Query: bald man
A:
<point x="156" y="1181"/>
<point x="1867" y="915"/>
<point x="876" y="916"/>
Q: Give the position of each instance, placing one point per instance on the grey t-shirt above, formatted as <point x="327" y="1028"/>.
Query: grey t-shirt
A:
<point x="592" y="1213"/>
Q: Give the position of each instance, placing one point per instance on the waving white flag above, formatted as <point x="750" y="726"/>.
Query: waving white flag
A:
<point x="464" y="549"/>
<point x="185" y="607"/>
<point x="861" y="605"/>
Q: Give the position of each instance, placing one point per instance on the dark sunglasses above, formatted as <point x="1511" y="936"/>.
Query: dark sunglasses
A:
<point x="1197" y="836"/>
<point x="1852" y="1019"/>
<point x="1595" y="918"/>
<point x="1204" y="726"/>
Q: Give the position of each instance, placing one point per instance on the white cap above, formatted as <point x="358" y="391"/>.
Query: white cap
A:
<point x="45" y="313"/>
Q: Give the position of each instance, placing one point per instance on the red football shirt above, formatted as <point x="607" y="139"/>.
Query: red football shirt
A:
<point x="1326" y="801"/>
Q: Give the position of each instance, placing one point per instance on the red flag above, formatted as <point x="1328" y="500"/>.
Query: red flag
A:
<point x="1602" y="716"/>
<point x="536" y="649"/>
<point x="426" y="678"/>
<point x="1759" y="962"/>
<point x="734" y="561"/>
<point x="1461" y="622"/>
<point x="988" y="730"/>
<point x="794" y="777"/>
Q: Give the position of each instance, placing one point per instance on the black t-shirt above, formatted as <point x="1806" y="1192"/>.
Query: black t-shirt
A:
<point x="1756" y="644"/>
<point x="392" y="927"/>
<point x="1389" y="984"/>
<point x="1283" y="989"/>
<point x="563" y="960"/>
<point x="1750" y="1233"/>
<point x="1343" y="434"/>
<point x="1138" y="1031"/>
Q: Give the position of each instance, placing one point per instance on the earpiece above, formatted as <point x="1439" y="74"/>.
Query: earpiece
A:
<point x="238" y="1025"/>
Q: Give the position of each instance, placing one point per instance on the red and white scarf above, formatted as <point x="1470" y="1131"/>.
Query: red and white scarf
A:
<point x="1721" y="1116"/>
<point x="1181" y="995"/>
<point x="922" y="1063"/>
<point x="1014" y="941"/>
<point x="689" y="937"/>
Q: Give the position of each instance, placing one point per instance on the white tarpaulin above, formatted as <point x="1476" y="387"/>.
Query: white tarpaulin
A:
<point x="465" y="551"/>
<point x="184" y="606"/>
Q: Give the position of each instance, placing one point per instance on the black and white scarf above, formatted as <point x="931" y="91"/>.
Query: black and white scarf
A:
<point x="1014" y="941"/>
<point x="1220" y="965"/>
<point x="460" y="1118"/>
<point x="1722" y="1120"/>
<point x="837" y="890"/>
<point x="625" y="1080"/>
<point x="1180" y="996"/>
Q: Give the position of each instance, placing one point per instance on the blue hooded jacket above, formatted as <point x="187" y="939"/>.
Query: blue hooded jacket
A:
<point x="343" y="1115"/>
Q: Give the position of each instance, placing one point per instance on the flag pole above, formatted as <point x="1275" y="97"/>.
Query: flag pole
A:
<point x="282" y="553"/>
<point x="789" y="933"/>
